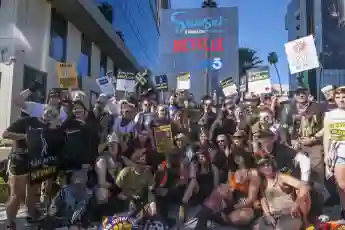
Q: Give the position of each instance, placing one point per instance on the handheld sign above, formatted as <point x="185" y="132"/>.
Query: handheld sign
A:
<point x="228" y="86"/>
<point x="301" y="54"/>
<point x="125" y="82"/>
<point x="67" y="75"/>
<point x="183" y="81"/>
<point x="163" y="138"/>
<point x="161" y="82"/>
<point x="105" y="85"/>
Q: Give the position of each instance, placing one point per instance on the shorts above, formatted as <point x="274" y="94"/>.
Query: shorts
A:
<point x="340" y="160"/>
<point x="18" y="164"/>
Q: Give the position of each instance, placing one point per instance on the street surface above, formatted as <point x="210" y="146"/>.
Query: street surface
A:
<point x="333" y="212"/>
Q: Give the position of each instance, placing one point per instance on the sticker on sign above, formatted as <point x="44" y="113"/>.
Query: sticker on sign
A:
<point x="301" y="54"/>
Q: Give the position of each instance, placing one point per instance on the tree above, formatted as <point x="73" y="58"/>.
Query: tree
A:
<point x="248" y="59"/>
<point x="209" y="4"/>
<point x="272" y="58"/>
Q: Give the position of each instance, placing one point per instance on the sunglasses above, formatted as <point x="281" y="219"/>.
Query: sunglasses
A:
<point x="220" y="141"/>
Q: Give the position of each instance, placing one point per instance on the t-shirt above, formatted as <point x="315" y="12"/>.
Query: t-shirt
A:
<point x="43" y="146"/>
<point x="34" y="109"/>
<point x="134" y="182"/>
<point x="80" y="147"/>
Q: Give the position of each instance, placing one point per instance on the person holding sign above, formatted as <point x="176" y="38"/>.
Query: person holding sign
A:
<point x="39" y="142"/>
<point x="35" y="109"/>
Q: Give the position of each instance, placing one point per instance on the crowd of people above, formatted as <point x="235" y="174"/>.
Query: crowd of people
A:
<point x="256" y="162"/>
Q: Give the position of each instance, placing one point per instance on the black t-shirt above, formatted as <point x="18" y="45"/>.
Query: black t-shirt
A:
<point x="26" y="125"/>
<point x="81" y="142"/>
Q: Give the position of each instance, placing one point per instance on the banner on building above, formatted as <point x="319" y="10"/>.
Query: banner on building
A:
<point x="228" y="86"/>
<point x="259" y="82"/>
<point x="161" y="82"/>
<point x="163" y="138"/>
<point x="301" y="54"/>
<point x="183" y="81"/>
<point x="67" y="75"/>
<point x="196" y="41"/>
<point x="125" y="82"/>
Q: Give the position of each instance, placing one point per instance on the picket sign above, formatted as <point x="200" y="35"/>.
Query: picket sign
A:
<point x="105" y="85"/>
<point x="67" y="75"/>
<point x="301" y="54"/>
<point x="259" y="82"/>
<point x="228" y="86"/>
<point x="125" y="82"/>
<point x="183" y="81"/>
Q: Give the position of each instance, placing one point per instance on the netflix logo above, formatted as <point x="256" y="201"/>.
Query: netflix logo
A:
<point x="198" y="44"/>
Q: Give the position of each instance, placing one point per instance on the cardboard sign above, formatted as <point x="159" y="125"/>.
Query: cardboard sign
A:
<point x="183" y="81"/>
<point x="125" y="82"/>
<point x="259" y="82"/>
<point x="106" y="85"/>
<point x="228" y="86"/>
<point x="301" y="54"/>
<point x="163" y="138"/>
<point x="67" y="75"/>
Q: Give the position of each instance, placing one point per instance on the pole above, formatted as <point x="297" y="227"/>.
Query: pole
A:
<point x="162" y="96"/>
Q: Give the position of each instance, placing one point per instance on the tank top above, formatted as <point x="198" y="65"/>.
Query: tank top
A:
<point x="277" y="199"/>
<point x="242" y="187"/>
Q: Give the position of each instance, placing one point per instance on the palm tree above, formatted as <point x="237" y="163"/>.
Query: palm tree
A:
<point x="272" y="58"/>
<point x="208" y="4"/>
<point x="247" y="59"/>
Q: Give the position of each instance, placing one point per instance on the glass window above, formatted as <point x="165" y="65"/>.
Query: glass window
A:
<point x="103" y="65"/>
<point x="84" y="64"/>
<point x="58" y="36"/>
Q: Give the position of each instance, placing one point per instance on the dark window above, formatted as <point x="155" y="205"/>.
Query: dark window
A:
<point x="58" y="36"/>
<point x="84" y="64"/>
<point x="298" y="27"/>
<point x="31" y="75"/>
<point x="103" y="65"/>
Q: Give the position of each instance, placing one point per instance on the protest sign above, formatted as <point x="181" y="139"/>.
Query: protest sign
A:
<point x="259" y="82"/>
<point x="105" y="85"/>
<point x="301" y="54"/>
<point x="163" y="138"/>
<point x="228" y="86"/>
<point x="67" y="75"/>
<point x="161" y="82"/>
<point x="183" y="81"/>
<point x="125" y="82"/>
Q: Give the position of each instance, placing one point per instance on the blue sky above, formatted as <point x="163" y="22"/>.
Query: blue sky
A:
<point x="261" y="27"/>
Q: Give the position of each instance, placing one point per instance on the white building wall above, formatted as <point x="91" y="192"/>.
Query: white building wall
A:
<point x="25" y="32"/>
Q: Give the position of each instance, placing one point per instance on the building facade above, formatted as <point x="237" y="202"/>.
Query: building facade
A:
<point x="137" y="22"/>
<point x="324" y="19"/>
<point x="41" y="33"/>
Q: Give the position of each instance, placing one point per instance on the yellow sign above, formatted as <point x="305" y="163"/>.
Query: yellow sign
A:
<point x="163" y="138"/>
<point x="67" y="75"/>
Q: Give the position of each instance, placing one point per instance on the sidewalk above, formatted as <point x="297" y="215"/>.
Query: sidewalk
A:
<point x="333" y="212"/>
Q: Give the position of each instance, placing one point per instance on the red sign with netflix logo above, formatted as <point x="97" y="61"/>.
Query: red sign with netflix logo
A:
<point x="198" y="44"/>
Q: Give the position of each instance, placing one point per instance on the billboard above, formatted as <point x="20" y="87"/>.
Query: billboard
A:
<point x="193" y="40"/>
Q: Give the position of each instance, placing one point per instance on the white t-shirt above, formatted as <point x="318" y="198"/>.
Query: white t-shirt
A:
<point x="34" y="109"/>
<point x="334" y="124"/>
